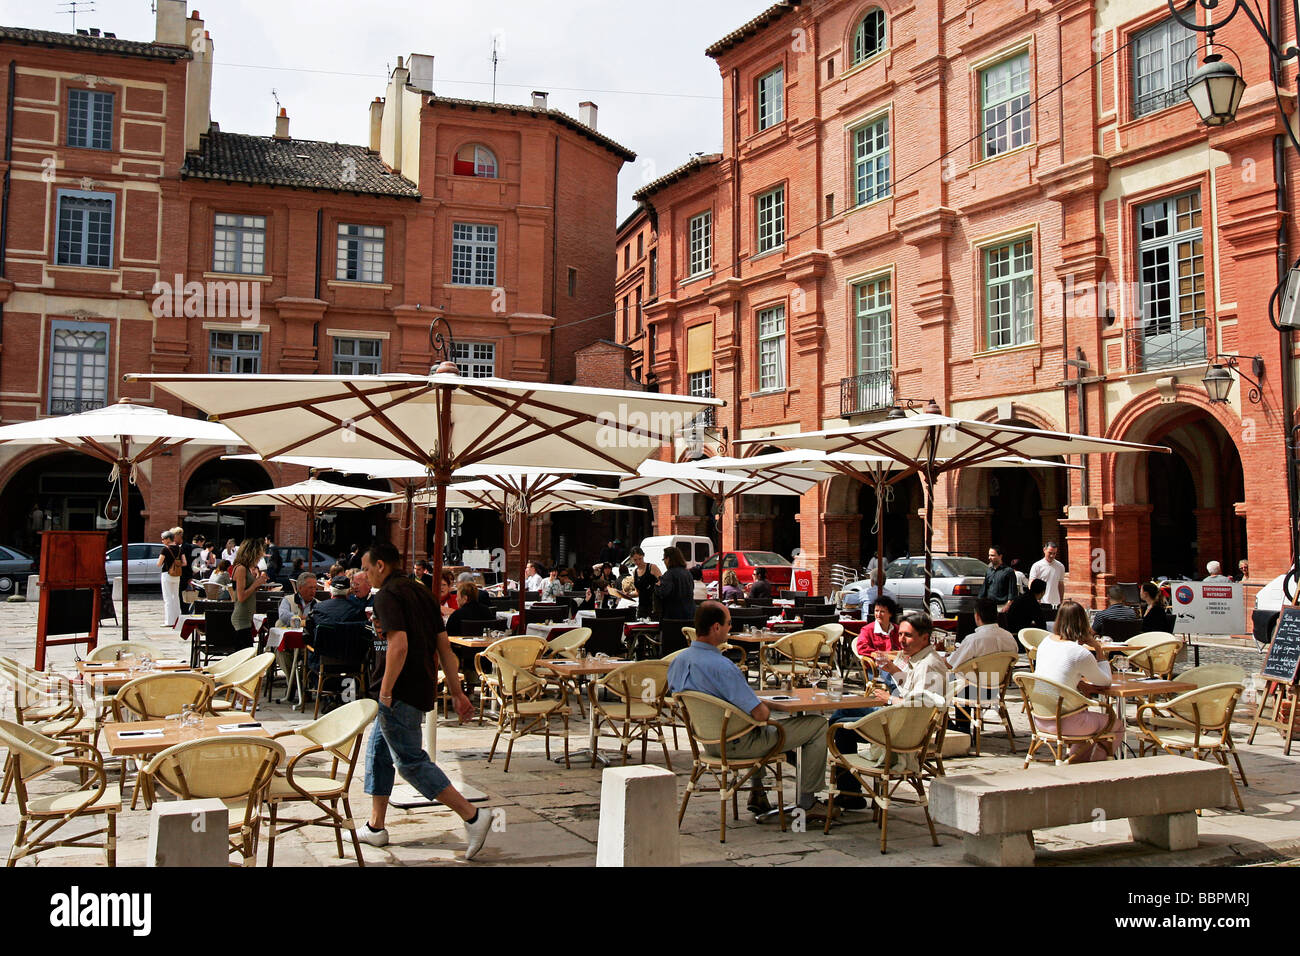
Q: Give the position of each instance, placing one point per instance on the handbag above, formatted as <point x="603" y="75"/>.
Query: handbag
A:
<point x="176" y="567"/>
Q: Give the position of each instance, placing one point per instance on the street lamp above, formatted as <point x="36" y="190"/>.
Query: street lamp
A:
<point x="1218" y="378"/>
<point x="1215" y="90"/>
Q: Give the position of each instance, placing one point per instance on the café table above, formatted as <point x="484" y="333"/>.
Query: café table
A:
<point x="112" y="675"/>
<point x="1123" y="687"/>
<point x="144" y="738"/>
<point x="587" y="667"/>
<point x="189" y="623"/>
<point x="291" y="639"/>
<point x="760" y="639"/>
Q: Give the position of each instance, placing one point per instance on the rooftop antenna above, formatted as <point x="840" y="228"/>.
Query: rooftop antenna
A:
<point x="72" y="6"/>
<point x="495" y="60"/>
<point x="276" y="96"/>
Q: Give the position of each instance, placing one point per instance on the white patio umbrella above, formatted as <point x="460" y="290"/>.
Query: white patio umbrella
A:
<point x="312" y="497"/>
<point x="656" y="477"/>
<point x="929" y="445"/>
<point x="126" y="436"/>
<point x="443" y="421"/>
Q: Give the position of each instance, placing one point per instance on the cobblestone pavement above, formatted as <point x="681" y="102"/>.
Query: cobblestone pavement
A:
<point x="550" y="814"/>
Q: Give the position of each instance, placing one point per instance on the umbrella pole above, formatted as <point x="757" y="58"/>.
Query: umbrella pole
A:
<point x="124" y="476"/>
<point x="880" y="534"/>
<point x="410" y="522"/>
<point x="523" y="561"/>
<point x="311" y="539"/>
<point x="928" y="473"/>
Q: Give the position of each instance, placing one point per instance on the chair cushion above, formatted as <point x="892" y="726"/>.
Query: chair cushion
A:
<point x="620" y="711"/>
<point x="316" y="784"/>
<point x="220" y="706"/>
<point x="711" y="761"/>
<point x="533" y="707"/>
<point x="58" y="804"/>
<point x="68" y="727"/>
<point x="1187" y="738"/>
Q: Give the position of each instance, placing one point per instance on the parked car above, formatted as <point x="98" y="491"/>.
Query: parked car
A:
<point x="320" y="563"/>
<point x="954" y="586"/>
<point x="142" y="564"/>
<point x="1268" y="605"/>
<point x="780" y="572"/>
<point x="14" y="568"/>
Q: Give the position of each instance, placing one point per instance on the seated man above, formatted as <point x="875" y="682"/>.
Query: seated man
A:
<point x="701" y="667"/>
<point x="760" y="589"/>
<point x="1028" y="610"/>
<point x="360" y="594"/>
<point x="299" y="605"/>
<point x="423" y="573"/>
<point x="472" y="609"/>
<point x="987" y="638"/>
<point x="1115" y="611"/>
<point x="339" y="609"/>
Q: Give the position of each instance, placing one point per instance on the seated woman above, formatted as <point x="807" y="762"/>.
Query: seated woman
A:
<point x="1157" y="616"/>
<point x="731" y="589"/>
<point x="1071" y="656"/>
<point x="881" y="635"/>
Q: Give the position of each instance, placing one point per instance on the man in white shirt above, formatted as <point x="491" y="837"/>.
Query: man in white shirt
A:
<point x="1052" y="572"/>
<point x="532" y="580"/>
<point x="987" y="638"/>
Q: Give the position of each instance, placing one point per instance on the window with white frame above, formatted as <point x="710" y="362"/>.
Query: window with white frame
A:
<point x="90" y="119"/>
<point x="78" y="367"/>
<point x="473" y="254"/>
<point x="771" y="98"/>
<point x="475" y="359"/>
<point x="85" y="230"/>
<point x="239" y="352"/>
<point x="1009" y="293"/>
<point x="771" y="349"/>
<point x="873" y="303"/>
<point x="1162" y="59"/>
<point x="871" y="161"/>
<point x="1171" y="258"/>
<point x="700" y="385"/>
<point x="869" y="38"/>
<point x="1004" y="105"/>
<point x="360" y="253"/>
<point x="357" y="356"/>
<point x="239" y="245"/>
<point x="700" y="231"/>
<point x="771" y="219"/>
<point x="475" y="160"/>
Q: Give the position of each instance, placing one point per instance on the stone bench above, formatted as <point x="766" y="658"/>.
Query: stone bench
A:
<point x="997" y="813"/>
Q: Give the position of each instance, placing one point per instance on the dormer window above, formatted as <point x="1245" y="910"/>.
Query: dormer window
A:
<point x="476" y="161"/>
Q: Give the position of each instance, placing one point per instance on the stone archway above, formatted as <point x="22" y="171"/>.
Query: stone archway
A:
<point x="215" y="479"/>
<point x="71" y="491"/>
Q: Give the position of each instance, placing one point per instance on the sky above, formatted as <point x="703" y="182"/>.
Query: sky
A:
<point x="642" y="64"/>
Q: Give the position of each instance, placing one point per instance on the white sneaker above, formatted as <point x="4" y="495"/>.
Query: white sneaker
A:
<point x="372" y="837"/>
<point x="477" y="833"/>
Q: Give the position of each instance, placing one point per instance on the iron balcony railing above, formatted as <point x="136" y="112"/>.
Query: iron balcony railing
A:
<point x="1166" y="343"/>
<point x="73" y="406"/>
<point x="868" y="392"/>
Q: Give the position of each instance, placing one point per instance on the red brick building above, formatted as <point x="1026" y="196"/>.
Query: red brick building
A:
<point x="915" y="204"/>
<point x="140" y="236"/>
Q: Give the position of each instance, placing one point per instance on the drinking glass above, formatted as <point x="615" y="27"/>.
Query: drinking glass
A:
<point x="835" y="687"/>
<point x="128" y="661"/>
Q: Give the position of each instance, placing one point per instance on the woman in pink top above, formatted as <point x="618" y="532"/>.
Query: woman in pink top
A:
<point x="882" y="633"/>
<point x="1070" y="657"/>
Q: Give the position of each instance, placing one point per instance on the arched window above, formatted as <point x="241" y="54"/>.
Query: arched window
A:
<point x="869" y="39"/>
<point x="474" y="160"/>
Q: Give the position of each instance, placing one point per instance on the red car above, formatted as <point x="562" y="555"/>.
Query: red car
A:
<point x="780" y="572"/>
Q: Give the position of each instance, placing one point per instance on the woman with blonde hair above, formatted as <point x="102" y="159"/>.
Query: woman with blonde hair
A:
<point x="246" y="578"/>
<point x="230" y="550"/>
<point x="731" y="589"/>
<point x="1071" y="656"/>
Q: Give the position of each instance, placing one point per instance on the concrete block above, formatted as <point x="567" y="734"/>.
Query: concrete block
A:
<point x="1171" y="831"/>
<point x="638" y="817"/>
<point x="1002" y="849"/>
<point x="117" y="589"/>
<point x="189" y="833"/>
<point x="955" y="744"/>
<point x="33" y="587"/>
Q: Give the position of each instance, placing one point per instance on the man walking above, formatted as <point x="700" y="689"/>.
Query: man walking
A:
<point x="1052" y="572"/>
<point x="408" y="616"/>
<point x="999" y="581"/>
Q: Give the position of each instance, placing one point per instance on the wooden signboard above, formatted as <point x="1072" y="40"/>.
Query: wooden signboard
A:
<point x="71" y="562"/>
<point x="1284" y="653"/>
<point x="1277" y="708"/>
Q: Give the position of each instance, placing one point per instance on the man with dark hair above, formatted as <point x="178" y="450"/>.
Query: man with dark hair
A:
<point x="760" y="589"/>
<point x="987" y="638"/>
<point x="424" y="574"/>
<point x="354" y="562"/>
<point x="1028" y="609"/>
<point x="999" y="580"/>
<point x="1052" y="573"/>
<point x="415" y="641"/>
<point x="701" y="667"/>
<point x="1115" y="611"/>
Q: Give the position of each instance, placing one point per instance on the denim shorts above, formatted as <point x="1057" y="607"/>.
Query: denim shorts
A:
<point x="395" y="738"/>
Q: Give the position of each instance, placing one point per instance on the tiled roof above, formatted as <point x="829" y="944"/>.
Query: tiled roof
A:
<point x="774" y="12"/>
<point x="562" y="118"/>
<point x="696" y="162"/>
<point x="95" y="44"/>
<point x="301" y="163"/>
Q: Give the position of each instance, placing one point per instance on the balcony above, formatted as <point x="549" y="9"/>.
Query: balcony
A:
<point x="73" y="406"/>
<point x="1166" y="344"/>
<point x="704" y="419"/>
<point x="868" y="392"/>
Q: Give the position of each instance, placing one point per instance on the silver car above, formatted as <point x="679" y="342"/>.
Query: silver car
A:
<point x="953" y="588"/>
<point x="142" y="564"/>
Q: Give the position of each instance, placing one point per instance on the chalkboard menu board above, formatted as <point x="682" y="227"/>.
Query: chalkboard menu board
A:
<point x="1284" y="653"/>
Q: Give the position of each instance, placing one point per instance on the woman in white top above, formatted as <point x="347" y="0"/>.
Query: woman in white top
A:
<point x="231" y="549"/>
<point x="1069" y="657"/>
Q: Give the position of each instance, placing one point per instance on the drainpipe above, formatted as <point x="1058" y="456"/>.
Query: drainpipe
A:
<point x="4" y="194"/>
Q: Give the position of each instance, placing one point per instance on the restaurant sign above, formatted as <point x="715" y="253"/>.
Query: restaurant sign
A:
<point x="1208" y="608"/>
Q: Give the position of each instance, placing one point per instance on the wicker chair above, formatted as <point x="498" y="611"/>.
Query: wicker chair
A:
<point x="524" y="706"/>
<point x="899" y="738"/>
<point x="219" y="668"/>
<point x="1047" y="699"/>
<point x="978" y="674"/>
<point x="338" y="736"/>
<point x="1154" y="653"/>
<point x="47" y="705"/>
<point x="1198" y="722"/>
<point x="637" y="707"/>
<point x="802" y="651"/>
<point x="241" y="686"/>
<point x="522" y="651"/>
<point x="114" y="651"/>
<point x="713" y="724"/>
<point x="1030" y="638"/>
<point x="831" y="651"/>
<point x="159" y="696"/>
<point x="40" y="818"/>
<point x="568" y="646"/>
<point x="228" y="768"/>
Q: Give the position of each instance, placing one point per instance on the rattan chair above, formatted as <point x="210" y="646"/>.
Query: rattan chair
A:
<point x="46" y="704"/>
<point x="637" y="708"/>
<point x="712" y="724"/>
<point x="161" y="695"/>
<point x="1030" y="638"/>
<point x="1047" y="699"/>
<point x="522" y="651"/>
<point x="338" y="736"/>
<point x="568" y="646"/>
<point x="114" y="651"/>
<point x="219" y="668"/>
<point x="899" y="737"/>
<point x="524" y="705"/>
<point x="986" y="672"/>
<point x="236" y="770"/>
<point x="831" y="651"/>
<point x="802" y="651"/>
<point x="1154" y="653"/>
<point x="1198" y="723"/>
<point x="241" y="686"/>
<point x="41" y="817"/>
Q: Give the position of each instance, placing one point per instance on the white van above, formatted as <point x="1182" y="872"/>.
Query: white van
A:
<point x="695" y="549"/>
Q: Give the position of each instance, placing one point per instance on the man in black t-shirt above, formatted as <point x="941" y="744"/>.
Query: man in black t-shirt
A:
<point x="414" y="642"/>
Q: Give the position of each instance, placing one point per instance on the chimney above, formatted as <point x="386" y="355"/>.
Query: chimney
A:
<point x="587" y="114"/>
<point x="282" y="124"/>
<point x="169" y="25"/>
<point x="198" y="74"/>
<point x="376" y="123"/>
<point x="421" y="67"/>
<point x="539" y="100"/>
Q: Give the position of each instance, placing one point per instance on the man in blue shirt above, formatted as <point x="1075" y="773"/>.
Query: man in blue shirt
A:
<point x="701" y="667"/>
